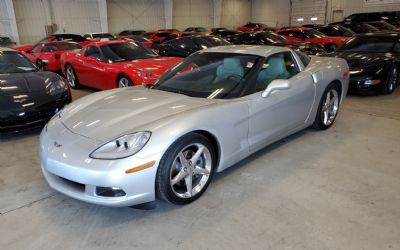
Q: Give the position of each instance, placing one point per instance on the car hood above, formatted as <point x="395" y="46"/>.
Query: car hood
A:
<point x="357" y="60"/>
<point x="25" y="83"/>
<point x="155" y="65"/>
<point x="107" y="114"/>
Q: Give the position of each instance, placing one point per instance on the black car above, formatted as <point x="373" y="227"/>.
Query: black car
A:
<point x="271" y="38"/>
<point x="335" y="30"/>
<point x="225" y="33"/>
<point x="358" y="28"/>
<point x="28" y="97"/>
<point x="184" y="46"/>
<point x="196" y="29"/>
<point x="6" y="41"/>
<point x="373" y="61"/>
<point x="132" y="32"/>
<point x="392" y="17"/>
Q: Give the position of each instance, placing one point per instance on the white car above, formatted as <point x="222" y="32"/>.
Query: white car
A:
<point x="127" y="146"/>
<point x="101" y="36"/>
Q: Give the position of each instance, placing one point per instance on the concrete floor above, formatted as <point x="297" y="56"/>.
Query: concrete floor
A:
<point x="337" y="189"/>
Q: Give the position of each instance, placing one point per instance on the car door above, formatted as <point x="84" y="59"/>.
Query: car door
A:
<point x="283" y="111"/>
<point x="91" y="69"/>
<point x="33" y="54"/>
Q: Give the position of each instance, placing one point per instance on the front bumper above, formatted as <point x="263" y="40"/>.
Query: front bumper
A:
<point x="17" y="120"/>
<point x="365" y="81"/>
<point x="69" y="170"/>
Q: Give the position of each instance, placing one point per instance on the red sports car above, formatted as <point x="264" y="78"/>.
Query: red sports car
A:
<point x="313" y="36"/>
<point x="137" y="39"/>
<point x="47" y="55"/>
<point x="56" y="37"/>
<point x="159" y="36"/>
<point x="111" y="64"/>
<point x="253" y="27"/>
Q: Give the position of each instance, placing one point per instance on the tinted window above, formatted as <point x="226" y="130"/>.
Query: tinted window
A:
<point x="185" y="43"/>
<point x="209" y="75"/>
<point x="277" y="66"/>
<point x="60" y="47"/>
<point x="118" y="52"/>
<point x="103" y="35"/>
<point x="14" y="62"/>
<point x="314" y="33"/>
<point x="93" y="51"/>
<point x="368" y="44"/>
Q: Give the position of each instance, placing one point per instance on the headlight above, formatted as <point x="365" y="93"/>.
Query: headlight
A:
<point x="122" y="147"/>
<point x="56" y="87"/>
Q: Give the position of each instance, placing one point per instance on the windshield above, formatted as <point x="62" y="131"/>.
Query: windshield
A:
<point x="368" y="44"/>
<point x="314" y="33"/>
<point x="383" y="25"/>
<point x="209" y="75"/>
<point x="126" y="51"/>
<point x="138" y="38"/>
<point x="214" y="41"/>
<point x="272" y="37"/>
<point x="14" y="62"/>
<point x="103" y="35"/>
<point x="60" y="46"/>
<point x="344" y="31"/>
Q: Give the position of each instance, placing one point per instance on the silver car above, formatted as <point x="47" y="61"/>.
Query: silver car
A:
<point x="127" y="146"/>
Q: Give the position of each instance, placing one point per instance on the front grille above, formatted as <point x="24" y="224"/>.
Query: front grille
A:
<point x="76" y="185"/>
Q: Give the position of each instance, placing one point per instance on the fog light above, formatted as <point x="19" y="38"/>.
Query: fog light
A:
<point x="372" y="82"/>
<point x="110" y="192"/>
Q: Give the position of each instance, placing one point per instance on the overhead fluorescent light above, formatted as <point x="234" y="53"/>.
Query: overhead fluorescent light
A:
<point x="300" y="19"/>
<point x="314" y="18"/>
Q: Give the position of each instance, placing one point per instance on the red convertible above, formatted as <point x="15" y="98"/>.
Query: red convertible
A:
<point x="312" y="36"/>
<point x="56" y="37"/>
<point x="111" y="64"/>
<point x="47" y="55"/>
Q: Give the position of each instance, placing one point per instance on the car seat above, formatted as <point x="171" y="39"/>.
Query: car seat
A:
<point x="276" y="69"/>
<point x="229" y="67"/>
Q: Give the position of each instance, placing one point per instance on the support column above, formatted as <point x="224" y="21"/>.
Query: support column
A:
<point x="103" y="15"/>
<point x="168" y="12"/>
<point x="12" y="21"/>
<point x="217" y="13"/>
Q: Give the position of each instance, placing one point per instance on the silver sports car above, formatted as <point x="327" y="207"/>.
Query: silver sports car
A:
<point x="127" y="146"/>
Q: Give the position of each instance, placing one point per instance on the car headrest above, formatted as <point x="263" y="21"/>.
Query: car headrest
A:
<point x="276" y="66"/>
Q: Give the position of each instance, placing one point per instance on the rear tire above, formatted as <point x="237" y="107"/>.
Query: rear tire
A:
<point x="72" y="77"/>
<point x="186" y="169"/>
<point x="392" y="80"/>
<point x="328" y="107"/>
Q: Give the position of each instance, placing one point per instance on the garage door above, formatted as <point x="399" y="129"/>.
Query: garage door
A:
<point x="307" y="9"/>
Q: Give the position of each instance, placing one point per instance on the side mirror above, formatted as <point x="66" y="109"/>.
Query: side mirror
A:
<point x="93" y="59"/>
<point x="275" y="85"/>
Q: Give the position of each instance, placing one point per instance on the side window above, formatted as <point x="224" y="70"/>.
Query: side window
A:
<point x="49" y="48"/>
<point x="396" y="48"/>
<point x="37" y="48"/>
<point x="278" y="66"/>
<point x="93" y="51"/>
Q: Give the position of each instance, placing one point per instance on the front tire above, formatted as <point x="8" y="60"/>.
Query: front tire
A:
<point x="71" y="77"/>
<point x="392" y="80"/>
<point x="328" y="107"/>
<point x="124" y="81"/>
<point x="40" y="65"/>
<point x="186" y="169"/>
<point x="330" y="47"/>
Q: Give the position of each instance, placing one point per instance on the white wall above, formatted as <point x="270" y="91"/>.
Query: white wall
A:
<point x="5" y="26"/>
<point x="188" y="13"/>
<point x="271" y="12"/>
<point x="307" y="9"/>
<point x="235" y="13"/>
<point x="135" y="14"/>
<point x="71" y="16"/>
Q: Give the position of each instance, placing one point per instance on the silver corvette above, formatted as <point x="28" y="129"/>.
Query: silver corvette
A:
<point x="127" y="146"/>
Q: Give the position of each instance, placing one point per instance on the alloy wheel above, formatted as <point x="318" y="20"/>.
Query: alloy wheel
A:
<point x="330" y="107"/>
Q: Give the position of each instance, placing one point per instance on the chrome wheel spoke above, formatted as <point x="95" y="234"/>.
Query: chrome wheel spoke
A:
<point x="202" y="171"/>
<point x="178" y="177"/>
<point x="189" y="184"/>
<point x="197" y="155"/>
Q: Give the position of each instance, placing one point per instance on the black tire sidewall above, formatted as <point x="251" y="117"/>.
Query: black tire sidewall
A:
<point x="386" y="89"/>
<point x="318" y="123"/>
<point x="163" y="186"/>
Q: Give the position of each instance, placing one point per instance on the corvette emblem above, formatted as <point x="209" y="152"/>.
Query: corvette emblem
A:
<point x="57" y="145"/>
